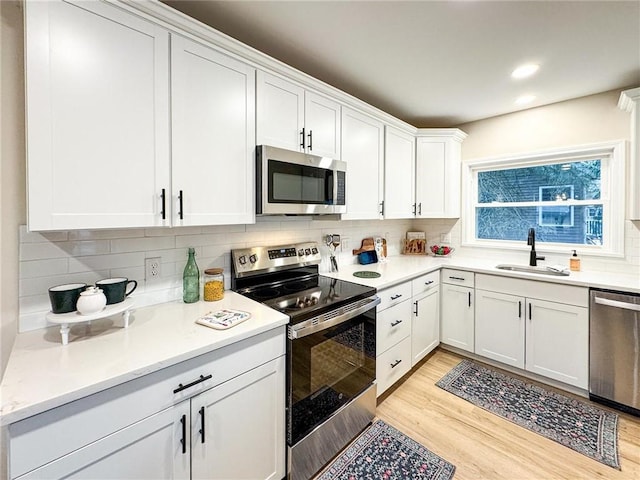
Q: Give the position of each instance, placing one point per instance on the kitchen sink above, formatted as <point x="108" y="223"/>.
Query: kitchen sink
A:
<point x="529" y="269"/>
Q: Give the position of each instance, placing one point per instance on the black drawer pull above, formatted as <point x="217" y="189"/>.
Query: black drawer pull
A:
<point x="469" y="298"/>
<point x="396" y="363"/>
<point x="530" y="316"/>
<point x="183" y="440"/>
<point x="201" y="431"/>
<point x="397" y="322"/>
<point x="195" y="382"/>
<point x="519" y="308"/>
<point x="395" y="297"/>
<point x="462" y="279"/>
<point x="429" y="282"/>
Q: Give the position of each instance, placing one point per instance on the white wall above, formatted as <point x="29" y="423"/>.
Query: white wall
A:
<point x="582" y="121"/>
<point x="12" y="168"/>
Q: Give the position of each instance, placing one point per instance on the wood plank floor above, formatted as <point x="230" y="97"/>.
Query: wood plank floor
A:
<point x="484" y="446"/>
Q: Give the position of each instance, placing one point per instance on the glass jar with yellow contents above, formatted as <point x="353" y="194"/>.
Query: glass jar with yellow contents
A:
<point x="213" y="284"/>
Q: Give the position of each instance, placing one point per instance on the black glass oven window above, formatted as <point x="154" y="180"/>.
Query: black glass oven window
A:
<point x="327" y="369"/>
<point x="292" y="183"/>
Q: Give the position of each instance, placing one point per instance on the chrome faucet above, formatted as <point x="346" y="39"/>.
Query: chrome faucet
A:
<point x="533" y="256"/>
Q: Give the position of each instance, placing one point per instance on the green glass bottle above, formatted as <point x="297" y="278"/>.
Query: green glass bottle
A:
<point x="191" y="279"/>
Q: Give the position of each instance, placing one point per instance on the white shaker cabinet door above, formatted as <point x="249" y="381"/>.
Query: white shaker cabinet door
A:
<point x="97" y="91"/>
<point x="431" y="180"/>
<point x="399" y="165"/>
<point x="363" y="151"/>
<point x="238" y="427"/>
<point x="558" y="341"/>
<point x="213" y="136"/>
<point x="457" y="321"/>
<point x="146" y="450"/>
<point x="279" y="112"/>
<point x="425" y="327"/>
<point x="500" y="327"/>
<point x="322" y="126"/>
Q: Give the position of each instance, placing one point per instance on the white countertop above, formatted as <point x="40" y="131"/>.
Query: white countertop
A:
<point x="42" y="373"/>
<point x="400" y="268"/>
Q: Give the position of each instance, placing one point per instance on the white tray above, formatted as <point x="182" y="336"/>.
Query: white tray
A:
<point x="65" y="319"/>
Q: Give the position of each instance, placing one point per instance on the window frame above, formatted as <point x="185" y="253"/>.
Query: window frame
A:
<point x="613" y="187"/>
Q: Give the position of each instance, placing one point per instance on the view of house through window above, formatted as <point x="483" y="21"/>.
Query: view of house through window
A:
<point x="561" y="200"/>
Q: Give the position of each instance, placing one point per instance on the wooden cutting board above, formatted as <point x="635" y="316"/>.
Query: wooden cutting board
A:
<point x="367" y="245"/>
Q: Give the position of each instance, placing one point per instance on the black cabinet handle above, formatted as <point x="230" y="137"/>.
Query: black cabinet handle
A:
<point x="429" y="282"/>
<point x="183" y="440"/>
<point x="201" y="431"/>
<point x="164" y="199"/>
<point x="310" y="140"/>
<point x="195" y="382"/>
<point x="530" y="316"/>
<point x="395" y="297"/>
<point x="382" y="207"/>
<point x="302" y="138"/>
<point x="420" y="208"/>
<point x="180" y="213"/>
<point x="396" y="363"/>
<point x="469" y="298"/>
<point x="397" y="322"/>
<point x="519" y="308"/>
<point x="413" y="209"/>
<point x="457" y="278"/>
<point x="416" y="312"/>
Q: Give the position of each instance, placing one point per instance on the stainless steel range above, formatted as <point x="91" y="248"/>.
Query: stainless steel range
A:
<point x="331" y="348"/>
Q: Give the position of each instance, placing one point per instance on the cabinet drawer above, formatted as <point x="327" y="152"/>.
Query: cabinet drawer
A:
<point x="457" y="277"/>
<point x="393" y="364"/>
<point x="392" y="325"/>
<point x="425" y="282"/>
<point x="42" y="438"/>
<point x="393" y="295"/>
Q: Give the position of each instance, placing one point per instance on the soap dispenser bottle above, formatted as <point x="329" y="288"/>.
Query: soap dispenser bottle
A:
<point x="574" y="262"/>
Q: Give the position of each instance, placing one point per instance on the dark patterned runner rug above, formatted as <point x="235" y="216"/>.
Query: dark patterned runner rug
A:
<point x="382" y="452"/>
<point x="570" y="422"/>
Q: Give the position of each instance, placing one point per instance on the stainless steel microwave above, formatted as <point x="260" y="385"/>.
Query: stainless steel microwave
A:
<point x="296" y="183"/>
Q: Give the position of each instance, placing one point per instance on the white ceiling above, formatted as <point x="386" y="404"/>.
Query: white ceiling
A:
<point x="442" y="63"/>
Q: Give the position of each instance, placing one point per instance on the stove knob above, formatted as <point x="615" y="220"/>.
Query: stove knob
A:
<point x="242" y="259"/>
<point x="307" y="251"/>
<point x="314" y="250"/>
<point x="253" y="258"/>
<point x="301" y="252"/>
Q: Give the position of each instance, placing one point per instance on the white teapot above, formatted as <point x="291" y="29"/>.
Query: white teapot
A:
<point x="92" y="300"/>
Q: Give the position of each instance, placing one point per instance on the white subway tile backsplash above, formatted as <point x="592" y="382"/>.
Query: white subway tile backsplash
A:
<point x="142" y="244"/>
<point x="165" y="232"/>
<point x="105" y="234"/>
<point x="105" y="262"/>
<point x="44" y="268"/>
<point x="41" y="285"/>
<point x="38" y="237"/>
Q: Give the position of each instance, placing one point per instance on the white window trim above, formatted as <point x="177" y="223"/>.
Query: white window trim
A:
<point x="613" y="188"/>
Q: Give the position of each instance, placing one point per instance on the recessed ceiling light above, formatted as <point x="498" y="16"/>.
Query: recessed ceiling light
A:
<point x="525" y="70"/>
<point x="524" y="99"/>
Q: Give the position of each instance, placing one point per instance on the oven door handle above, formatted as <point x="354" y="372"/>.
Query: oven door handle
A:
<point x="321" y="322"/>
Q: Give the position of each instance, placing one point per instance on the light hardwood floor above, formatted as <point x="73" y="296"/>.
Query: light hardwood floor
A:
<point x="484" y="446"/>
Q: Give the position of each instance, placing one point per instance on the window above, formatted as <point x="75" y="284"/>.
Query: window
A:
<point x="571" y="197"/>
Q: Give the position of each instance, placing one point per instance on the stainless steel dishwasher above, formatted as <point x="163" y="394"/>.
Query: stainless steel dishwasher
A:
<point x="614" y="349"/>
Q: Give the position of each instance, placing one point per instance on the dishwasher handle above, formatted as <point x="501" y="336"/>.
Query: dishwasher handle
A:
<point x="618" y="304"/>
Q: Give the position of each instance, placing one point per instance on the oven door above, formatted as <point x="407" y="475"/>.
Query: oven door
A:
<point x="297" y="183"/>
<point x="328" y="367"/>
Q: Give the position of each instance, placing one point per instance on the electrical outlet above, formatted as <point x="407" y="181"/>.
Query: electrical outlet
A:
<point x="152" y="269"/>
<point x="345" y="244"/>
<point x="445" y="238"/>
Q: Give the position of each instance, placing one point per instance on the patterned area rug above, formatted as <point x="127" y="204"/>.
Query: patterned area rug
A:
<point x="384" y="453"/>
<point x="572" y="423"/>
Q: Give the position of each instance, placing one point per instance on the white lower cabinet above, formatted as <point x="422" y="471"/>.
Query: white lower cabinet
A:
<point x="425" y="319"/>
<point x="457" y="322"/>
<point x="195" y="419"/>
<point x="539" y="327"/>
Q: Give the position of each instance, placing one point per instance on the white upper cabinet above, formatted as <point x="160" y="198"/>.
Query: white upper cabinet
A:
<point x="288" y="116"/>
<point x="213" y="136"/>
<point x="97" y="90"/>
<point x="399" y="170"/>
<point x="363" y="150"/>
<point x="438" y="163"/>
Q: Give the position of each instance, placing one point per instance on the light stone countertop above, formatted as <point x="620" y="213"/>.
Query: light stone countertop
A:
<point x="400" y="268"/>
<point x="42" y="373"/>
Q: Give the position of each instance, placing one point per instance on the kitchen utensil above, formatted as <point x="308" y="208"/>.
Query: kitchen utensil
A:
<point x="63" y="298"/>
<point x="366" y="274"/>
<point x="333" y="240"/>
<point x="115" y="289"/>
